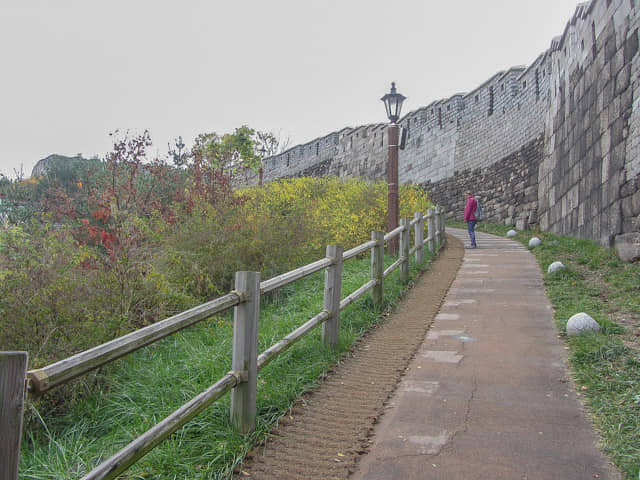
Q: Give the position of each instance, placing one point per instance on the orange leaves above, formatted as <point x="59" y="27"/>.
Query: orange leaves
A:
<point x="102" y="214"/>
<point x="97" y="234"/>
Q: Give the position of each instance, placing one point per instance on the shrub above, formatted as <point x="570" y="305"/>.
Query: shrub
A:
<point x="63" y="290"/>
<point x="58" y="297"/>
<point x="275" y="228"/>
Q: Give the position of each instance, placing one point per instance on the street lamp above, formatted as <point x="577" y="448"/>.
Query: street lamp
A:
<point x="393" y="104"/>
<point x="261" y="151"/>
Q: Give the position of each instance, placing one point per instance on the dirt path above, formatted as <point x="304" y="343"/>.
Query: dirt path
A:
<point x="328" y="429"/>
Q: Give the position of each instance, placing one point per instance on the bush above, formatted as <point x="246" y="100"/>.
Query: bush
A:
<point x="275" y="228"/>
<point x="58" y="297"/>
<point x="68" y="287"/>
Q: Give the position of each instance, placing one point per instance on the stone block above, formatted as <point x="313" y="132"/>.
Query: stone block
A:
<point x="635" y="203"/>
<point x="595" y="229"/>
<point x="631" y="225"/>
<point x="581" y="214"/>
<point x="614" y="109"/>
<point x="629" y="188"/>
<point x="626" y="99"/>
<point x="623" y="79"/>
<point x="630" y="46"/>
<point x="610" y="48"/>
<point x="617" y="63"/>
<point x="608" y="92"/>
<point x="627" y="207"/>
<point x="605" y="141"/>
<point x="627" y="246"/>
<point x="603" y="220"/>
<point x="618" y="157"/>
<point x="617" y="130"/>
<point x="615" y="220"/>
<point x="589" y="135"/>
<point x="522" y="224"/>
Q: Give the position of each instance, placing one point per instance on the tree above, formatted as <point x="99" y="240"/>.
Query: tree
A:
<point x="230" y="153"/>
<point x="178" y="153"/>
<point x="269" y="144"/>
<point x="219" y="162"/>
<point x="124" y="164"/>
<point x="66" y="184"/>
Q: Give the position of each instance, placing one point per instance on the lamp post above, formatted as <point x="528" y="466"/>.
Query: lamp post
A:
<point x="393" y="104"/>
<point x="261" y="151"/>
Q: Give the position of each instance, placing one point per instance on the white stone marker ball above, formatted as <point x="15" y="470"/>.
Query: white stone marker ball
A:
<point x="535" y="242"/>
<point x="555" y="266"/>
<point x="581" y="323"/>
<point x="511" y="233"/>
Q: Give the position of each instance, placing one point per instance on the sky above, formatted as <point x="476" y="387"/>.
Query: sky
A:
<point x="74" y="71"/>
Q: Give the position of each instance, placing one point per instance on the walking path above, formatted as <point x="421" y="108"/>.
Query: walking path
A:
<point x="488" y="395"/>
<point x="329" y="428"/>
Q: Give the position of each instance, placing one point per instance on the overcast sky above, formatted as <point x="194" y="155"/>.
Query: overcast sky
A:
<point x="73" y="71"/>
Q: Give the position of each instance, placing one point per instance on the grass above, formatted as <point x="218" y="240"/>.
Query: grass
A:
<point x="605" y="365"/>
<point x="138" y="391"/>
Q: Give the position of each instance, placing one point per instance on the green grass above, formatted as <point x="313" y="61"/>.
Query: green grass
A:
<point x="606" y="365"/>
<point x="136" y="392"/>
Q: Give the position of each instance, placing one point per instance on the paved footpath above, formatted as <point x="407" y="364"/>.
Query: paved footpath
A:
<point x="488" y="394"/>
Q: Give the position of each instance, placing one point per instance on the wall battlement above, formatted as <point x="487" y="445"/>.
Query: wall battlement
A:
<point x="567" y="126"/>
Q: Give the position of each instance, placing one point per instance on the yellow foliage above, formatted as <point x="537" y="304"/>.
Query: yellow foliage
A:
<point x="413" y="198"/>
<point x="333" y="210"/>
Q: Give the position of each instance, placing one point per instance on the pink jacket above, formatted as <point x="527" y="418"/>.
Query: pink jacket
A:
<point x="470" y="209"/>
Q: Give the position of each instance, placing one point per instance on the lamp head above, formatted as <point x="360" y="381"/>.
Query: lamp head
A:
<point x="393" y="103"/>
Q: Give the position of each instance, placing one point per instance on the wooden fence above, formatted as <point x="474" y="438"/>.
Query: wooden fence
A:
<point x="16" y="381"/>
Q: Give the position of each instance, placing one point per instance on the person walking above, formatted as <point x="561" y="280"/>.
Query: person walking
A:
<point x="470" y="217"/>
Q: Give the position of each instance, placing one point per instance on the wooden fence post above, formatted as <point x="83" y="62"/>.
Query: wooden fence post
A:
<point x="13" y="372"/>
<point x="377" y="269"/>
<point x="404" y="249"/>
<point x="442" y="226"/>
<point x="332" y="294"/>
<point x="418" y="237"/>
<point x="438" y="230"/>
<point x="245" y="351"/>
<point x="431" y="228"/>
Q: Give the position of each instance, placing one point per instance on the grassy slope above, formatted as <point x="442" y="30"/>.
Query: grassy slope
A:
<point x="143" y="388"/>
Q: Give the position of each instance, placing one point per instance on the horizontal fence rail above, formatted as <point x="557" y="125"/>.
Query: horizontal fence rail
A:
<point x="349" y="299"/>
<point x="293" y="275"/>
<point x="246" y="363"/>
<point x="394" y="233"/>
<point x="282" y="345"/>
<point x="393" y="267"/>
<point x="354" y="252"/>
<point x="142" y="445"/>
<point x="61" y="372"/>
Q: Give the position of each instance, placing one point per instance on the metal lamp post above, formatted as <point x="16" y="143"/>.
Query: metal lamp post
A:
<point x="261" y="151"/>
<point x="393" y="104"/>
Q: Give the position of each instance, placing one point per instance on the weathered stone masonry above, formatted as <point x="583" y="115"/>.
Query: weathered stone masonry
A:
<point x="556" y="143"/>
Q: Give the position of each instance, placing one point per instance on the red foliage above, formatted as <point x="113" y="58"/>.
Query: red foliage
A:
<point x="102" y="214"/>
<point x="92" y="234"/>
<point x="59" y="203"/>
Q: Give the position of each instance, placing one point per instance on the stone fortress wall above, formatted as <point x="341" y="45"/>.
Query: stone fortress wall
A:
<point x="556" y="143"/>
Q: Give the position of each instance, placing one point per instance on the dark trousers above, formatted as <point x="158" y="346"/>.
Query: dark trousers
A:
<point x="471" y="228"/>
